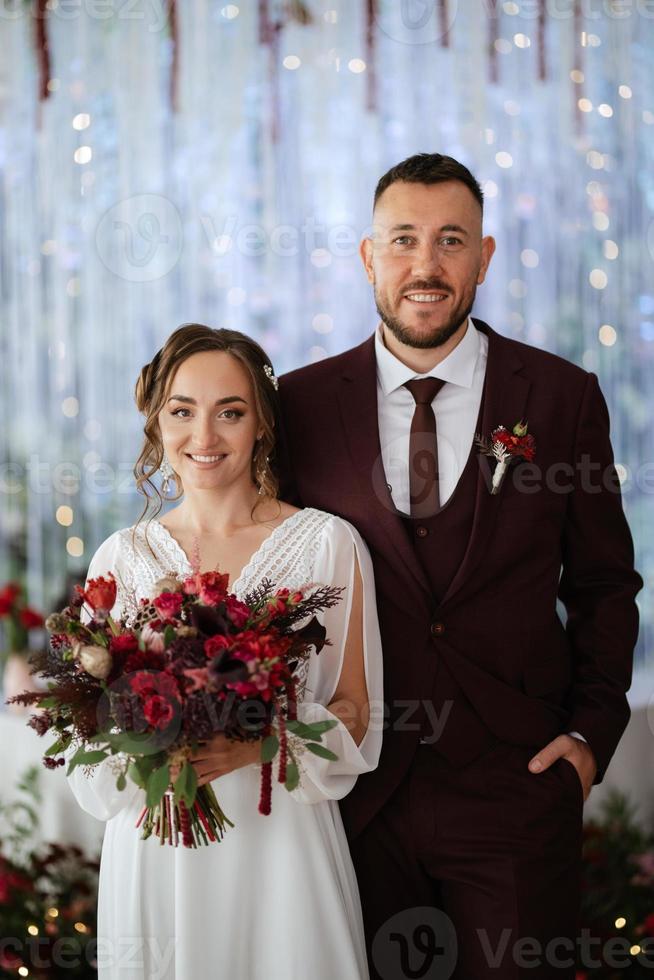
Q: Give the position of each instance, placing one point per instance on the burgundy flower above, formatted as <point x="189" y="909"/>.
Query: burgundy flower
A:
<point x="124" y="643"/>
<point x="41" y="723"/>
<point x="158" y="711"/>
<point x="144" y="660"/>
<point x="213" y="588"/>
<point x="147" y="683"/>
<point x="524" y="446"/>
<point x="159" y="693"/>
<point x="237" y="611"/>
<point x="215" y="645"/>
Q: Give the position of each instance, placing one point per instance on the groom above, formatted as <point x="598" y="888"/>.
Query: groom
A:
<point x="498" y="717"/>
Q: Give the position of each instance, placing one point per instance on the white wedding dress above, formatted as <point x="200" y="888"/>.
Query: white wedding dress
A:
<point x="277" y="899"/>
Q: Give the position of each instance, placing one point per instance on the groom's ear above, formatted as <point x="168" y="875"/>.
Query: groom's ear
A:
<point x="487" y="251"/>
<point x="365" y="251"/>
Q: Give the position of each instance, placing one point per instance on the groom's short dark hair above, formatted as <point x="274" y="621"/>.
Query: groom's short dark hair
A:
<point x="429" y="168"/>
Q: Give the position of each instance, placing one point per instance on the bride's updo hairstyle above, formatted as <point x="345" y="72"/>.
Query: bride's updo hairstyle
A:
<point x="153" y="390"/>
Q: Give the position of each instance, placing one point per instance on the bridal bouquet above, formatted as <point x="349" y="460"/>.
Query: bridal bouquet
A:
<point x="194" y="661"/>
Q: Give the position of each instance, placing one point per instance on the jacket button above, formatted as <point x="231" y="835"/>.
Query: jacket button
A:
<point x="437" y="629"/>
<point x="422" y="532"/>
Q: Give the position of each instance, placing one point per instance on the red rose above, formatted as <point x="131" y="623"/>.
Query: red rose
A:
<point x="125" y="643"/>
<point x="100" y="594"/>
<point x="30" y="619"/>
<point x="215" y="645"/>
<point x="213" y="588"/>
<point x="148" y="683"/>
<point x="158" y="711"/>
<point x="237" y="611"/>
<point x="168" y="604"/>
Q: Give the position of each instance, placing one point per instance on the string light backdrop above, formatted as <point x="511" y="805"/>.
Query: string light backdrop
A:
<point x="167" y="162"/>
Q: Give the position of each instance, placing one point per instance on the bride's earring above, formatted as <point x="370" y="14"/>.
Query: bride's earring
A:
<point x="262" y="473"/>
<point x="166" y="471"/>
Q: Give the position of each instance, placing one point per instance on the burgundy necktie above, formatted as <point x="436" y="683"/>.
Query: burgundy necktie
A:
<point x="423" y="448"/>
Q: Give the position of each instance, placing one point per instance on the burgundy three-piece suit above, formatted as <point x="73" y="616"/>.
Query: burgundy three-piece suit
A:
<point x="467" y="603"/>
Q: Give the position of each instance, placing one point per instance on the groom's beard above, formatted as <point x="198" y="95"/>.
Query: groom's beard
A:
<point x="425" y="341"/>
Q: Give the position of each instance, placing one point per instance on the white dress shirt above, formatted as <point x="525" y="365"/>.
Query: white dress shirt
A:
<point x="456" y="407"/>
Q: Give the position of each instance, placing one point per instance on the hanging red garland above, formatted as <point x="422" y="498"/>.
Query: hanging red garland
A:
<point x="542" y="59"/>
<point x="577" y="64"/>
<point x="269" y="35"/>
<point x="174" y="57"/>
<point x="371" y="55"/>
<point x="492" y="38"/>
<point x="42" y="48"/>
<point x="444" y="24"/>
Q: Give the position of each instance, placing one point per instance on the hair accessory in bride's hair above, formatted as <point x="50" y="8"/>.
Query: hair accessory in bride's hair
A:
<point x="268" y="371"/>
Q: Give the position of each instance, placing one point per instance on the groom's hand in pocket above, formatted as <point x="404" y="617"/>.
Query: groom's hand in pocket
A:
<point x="221" y="755"/>
<point x="576" y="751"/>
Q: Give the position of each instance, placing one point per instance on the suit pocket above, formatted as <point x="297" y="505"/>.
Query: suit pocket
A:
<point x="570" y="773"/>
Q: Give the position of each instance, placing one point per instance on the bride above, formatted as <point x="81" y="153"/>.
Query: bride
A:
<point x="277" y="898"/>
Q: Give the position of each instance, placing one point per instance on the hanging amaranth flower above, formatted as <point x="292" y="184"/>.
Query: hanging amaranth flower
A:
<point x="507" y="447"/>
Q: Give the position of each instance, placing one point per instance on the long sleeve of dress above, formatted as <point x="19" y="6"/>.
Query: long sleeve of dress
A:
<point x="96" y="792"/>
<point x="341" y="552"/>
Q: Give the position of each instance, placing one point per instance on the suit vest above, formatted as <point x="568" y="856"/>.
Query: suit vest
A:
<point x="440" y="543"/>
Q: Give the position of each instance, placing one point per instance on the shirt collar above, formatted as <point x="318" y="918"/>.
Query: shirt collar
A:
<point x="457" y="368"/>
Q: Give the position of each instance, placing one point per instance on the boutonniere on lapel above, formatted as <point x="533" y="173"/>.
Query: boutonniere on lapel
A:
<point x="507" y="447"/>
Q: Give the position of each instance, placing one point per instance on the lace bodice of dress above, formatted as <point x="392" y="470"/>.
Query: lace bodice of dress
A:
<point x="147" y="552"/>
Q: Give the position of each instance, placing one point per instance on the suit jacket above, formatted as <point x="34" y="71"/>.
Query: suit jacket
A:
<point x="559" y="533"/>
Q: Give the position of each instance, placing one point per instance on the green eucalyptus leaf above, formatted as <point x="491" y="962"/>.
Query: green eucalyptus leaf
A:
<point x="320" y="727"/>
<point x="85" y="758"/>
<point x="322" y="751"/>
<point x="157" y="785"/>
<point x="292" y="777"/>
<point x="269" y="748"/>
<point x="55" y="748"/>
<point x="186" y="785"/>
<point x="302" y="731"/>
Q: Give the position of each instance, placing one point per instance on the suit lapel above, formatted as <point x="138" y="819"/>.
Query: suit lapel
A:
<point x="357" y="395"/>
<point x="505" y="400"/>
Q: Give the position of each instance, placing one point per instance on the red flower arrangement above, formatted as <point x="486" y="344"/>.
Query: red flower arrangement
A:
<point x="20" y="618"/>
<point x="507" y="447"/>
<point x="195" y="661"/>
